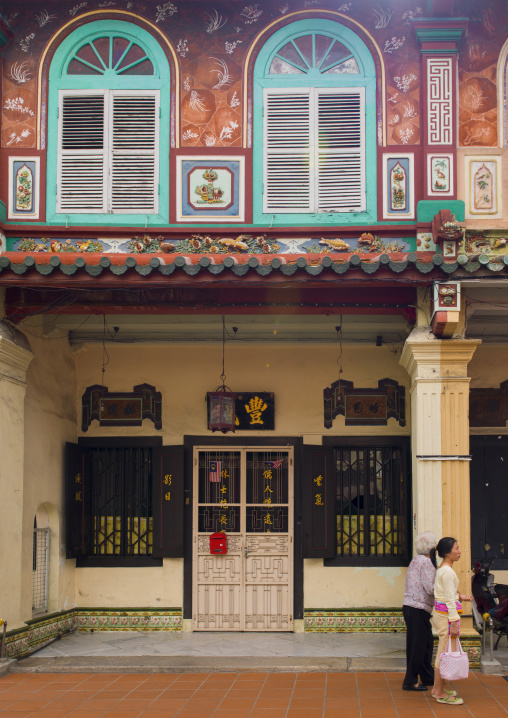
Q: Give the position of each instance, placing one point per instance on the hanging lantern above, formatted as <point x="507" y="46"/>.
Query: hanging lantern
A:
<point x="221" y="410"/>
<point x="221" y="402"/>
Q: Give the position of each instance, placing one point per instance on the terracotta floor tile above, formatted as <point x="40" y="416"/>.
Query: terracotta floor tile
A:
<point x="28" y="705"/>
<point x="340" y="713"/>
<point x="50" y="713"/>
<point x="306" y="703"/>
<point x="178" y="693"/>
<point x="107" y="693"/>
<point x="127" y="714"/>
<point x="206" y="703"/>
<point x="237" y="703"/>
<point x="95" y="704"/>
<point x="305" y="713"/>
<point x="85" y="714"/>
<point x="195" y="714"/>
<point x="379" y="713"/>
<point x="341" y="693"/>
<point x="271" y="703"/>
<point x="149" y="713"/>
<point x="128" y="705"/>
<point x="168" y="704"/>
<point x="267" y="694"/>
<point x="231" y="713"/>
<point x="5" y="704"/>
<point x="341" y="703"/>
<point x="145" y="693"/>
<point x="200" y="677"/>
<point x="252" y="677"/>
<point x="17" y="714"/>
<point x="308" y="693"/>
<point x="266" y="713"/>
<point x="243" y="693"/>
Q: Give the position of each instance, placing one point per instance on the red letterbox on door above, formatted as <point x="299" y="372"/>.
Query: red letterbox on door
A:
<point x="218" y="543"/>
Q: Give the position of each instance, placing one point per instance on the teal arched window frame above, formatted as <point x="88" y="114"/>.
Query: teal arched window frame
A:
<point x="59" y="80"/>
<point x="365" y="78"/>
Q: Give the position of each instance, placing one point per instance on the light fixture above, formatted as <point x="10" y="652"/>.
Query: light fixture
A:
<point x="221" y="402"/>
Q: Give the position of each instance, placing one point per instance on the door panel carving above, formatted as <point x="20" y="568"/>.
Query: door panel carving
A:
<point x="250" y="587"/>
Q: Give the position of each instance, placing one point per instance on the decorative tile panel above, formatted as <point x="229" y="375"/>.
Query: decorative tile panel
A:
<point x="210" y="188"/>
<point x="483" y="197"/>
<point x="440" y="101"/>
<point x="398" y="186"/>
<point x="440" y="175"/>
<point x="24" y="188"/>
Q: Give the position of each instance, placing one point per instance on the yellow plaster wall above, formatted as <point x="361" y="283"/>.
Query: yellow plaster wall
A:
<point x="50" y="421"/>
<point x="352" y="587"/>
<point x="297" y="375"/>
<point x="131" y="587"/>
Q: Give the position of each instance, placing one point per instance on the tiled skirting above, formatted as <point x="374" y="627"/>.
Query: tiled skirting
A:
<point x="364" y="620"/>
<point x="129" y="619"/>
<point x="38" y="632"/>
<point x="354" y="620"/>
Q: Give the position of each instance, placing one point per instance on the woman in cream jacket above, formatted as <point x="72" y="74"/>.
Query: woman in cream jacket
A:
<point x="447" y="610"/>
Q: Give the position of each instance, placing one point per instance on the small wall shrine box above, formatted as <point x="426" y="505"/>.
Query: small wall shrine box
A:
<point x="218" y="543"/>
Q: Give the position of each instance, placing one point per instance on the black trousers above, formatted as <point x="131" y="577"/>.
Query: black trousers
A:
<point x="419" y="645"/>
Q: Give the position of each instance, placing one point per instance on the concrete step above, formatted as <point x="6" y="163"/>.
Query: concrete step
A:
<point x="208" y="664"/>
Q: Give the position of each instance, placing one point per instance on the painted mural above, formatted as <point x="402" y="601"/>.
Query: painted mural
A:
<point x="211" y="40"/>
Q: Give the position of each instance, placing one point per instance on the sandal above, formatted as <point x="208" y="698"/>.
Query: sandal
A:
<point x="448" y="693"/>
<point x="451" y="700"/>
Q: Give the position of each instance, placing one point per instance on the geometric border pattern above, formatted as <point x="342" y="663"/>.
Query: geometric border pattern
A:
<point x="129" y="619"/>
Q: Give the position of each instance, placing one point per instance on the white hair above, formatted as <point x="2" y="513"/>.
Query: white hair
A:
<point x="425" y="541"/>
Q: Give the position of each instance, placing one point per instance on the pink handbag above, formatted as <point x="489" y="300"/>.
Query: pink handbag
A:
<point x="454" y="665"/>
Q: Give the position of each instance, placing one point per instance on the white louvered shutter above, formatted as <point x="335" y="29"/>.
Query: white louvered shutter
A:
<point x="314" y="150"/>
<point x="340" y="150"/>
<point x="287" y="151"/>
<point x="82" y="153"/>
<point x="134" y="167"/>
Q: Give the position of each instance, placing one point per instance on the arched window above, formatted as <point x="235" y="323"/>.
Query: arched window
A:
<point x="108" y="145"/>
<point x="314" y="99"/>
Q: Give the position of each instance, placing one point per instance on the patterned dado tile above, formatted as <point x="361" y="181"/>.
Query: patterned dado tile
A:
<point x="354" y="620"/>
<point x="129" y="619"/>
<point x="38" y="633"/>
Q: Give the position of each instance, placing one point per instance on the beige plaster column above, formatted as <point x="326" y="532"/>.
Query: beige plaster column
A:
<point x="15" y="596"/>
<point x="440" y="438"/>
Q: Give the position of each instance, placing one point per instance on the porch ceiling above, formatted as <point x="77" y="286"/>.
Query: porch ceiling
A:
<point x="278" y="328"/>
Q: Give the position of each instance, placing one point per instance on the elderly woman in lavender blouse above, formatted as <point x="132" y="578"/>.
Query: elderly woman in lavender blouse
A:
<point x="417" y="610"/>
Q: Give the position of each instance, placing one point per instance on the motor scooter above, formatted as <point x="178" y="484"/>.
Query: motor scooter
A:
<point x="490" y="598"/>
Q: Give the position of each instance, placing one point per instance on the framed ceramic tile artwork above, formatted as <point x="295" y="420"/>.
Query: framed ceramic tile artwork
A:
<point x="440" y="175"/>
<point x="210" y="189"/>
<point x="24" y="188"/>
<point x="484" y="191"/>
<point x="398" y="186"/>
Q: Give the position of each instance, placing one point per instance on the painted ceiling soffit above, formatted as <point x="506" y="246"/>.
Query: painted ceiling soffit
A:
<point x="19" y="263"/>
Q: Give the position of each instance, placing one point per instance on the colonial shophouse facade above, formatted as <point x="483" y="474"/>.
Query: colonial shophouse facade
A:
<point x="301" y="204"/>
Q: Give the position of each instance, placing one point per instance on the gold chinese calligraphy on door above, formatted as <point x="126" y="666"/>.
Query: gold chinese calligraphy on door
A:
<point x="248" y="494"/>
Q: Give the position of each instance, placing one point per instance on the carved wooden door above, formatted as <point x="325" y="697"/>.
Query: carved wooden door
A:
<point x="248" y="493"/>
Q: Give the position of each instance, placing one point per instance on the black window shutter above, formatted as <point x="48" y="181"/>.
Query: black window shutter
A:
<point x="167" y="502"/>
<point x="77" y="501"/>
<point x="319" y="513"/>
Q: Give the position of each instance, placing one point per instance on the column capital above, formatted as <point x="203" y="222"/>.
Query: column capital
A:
<point x="15" y="354"/>
<point x="439" y="36"/>
<point x="426" y="357"/>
